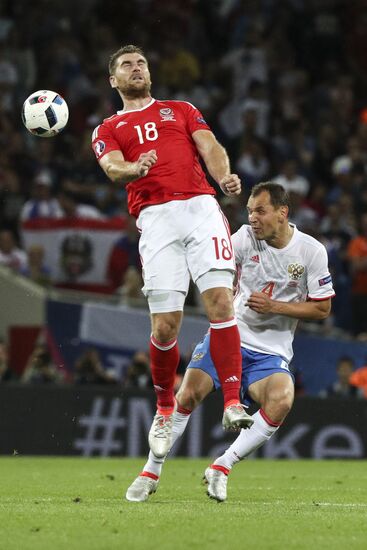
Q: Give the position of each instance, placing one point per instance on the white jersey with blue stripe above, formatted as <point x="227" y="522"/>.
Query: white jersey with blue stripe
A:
<point x="295" y="273"/>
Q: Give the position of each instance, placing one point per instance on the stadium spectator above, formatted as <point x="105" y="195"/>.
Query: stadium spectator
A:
<point x="257" y="102"/>
<point x="327" y="146"/>
<point x="70" y="208"/>
<point x="304" y="217"/>
<point x="86" y="183"/>
<point x="248" y="62"/>
<point x="203" y="97"/>
<point x="358" y="379"/>
<point x="43" y="203"/>
<point x="252" y="164"/>
<point x="138" y="372"/>
<point x="335" y="227"/>
<point x="343" y="386"/>
<point x="177" y="64"/>
<point x="130" y="292"/>
<point x="124" y="254"/>
<point x="36" y="269"/>
<point x="44" y="158"/>
<point x="357" y="256"/>
<point x="88" y="369"/>
<point x="10" y="255"/>
<point x="40" y="368"/>
<point x="292" y="181"/>
<point x="341" y="170"/>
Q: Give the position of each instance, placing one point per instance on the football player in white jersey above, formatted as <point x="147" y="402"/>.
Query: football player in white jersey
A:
<point x="283" y="277"/>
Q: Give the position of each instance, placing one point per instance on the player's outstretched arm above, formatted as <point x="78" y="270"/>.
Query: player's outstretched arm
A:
<point x="121" y="171"/>
<point x="314" y="310"/>
<point x="217" y="162"/>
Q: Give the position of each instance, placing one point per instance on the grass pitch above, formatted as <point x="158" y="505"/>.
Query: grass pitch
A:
<point x="75" y="503"/>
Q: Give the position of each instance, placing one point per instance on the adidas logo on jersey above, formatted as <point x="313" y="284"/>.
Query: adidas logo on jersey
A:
<point x="122" y="123"/>
<point x="255" y="258"/>
<point x="232" y="379"/>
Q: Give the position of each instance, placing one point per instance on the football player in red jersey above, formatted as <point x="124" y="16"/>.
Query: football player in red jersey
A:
<point x="153" y="147"/>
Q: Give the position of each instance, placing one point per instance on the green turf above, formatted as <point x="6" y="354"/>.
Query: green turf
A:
<point x="67" y="503"/>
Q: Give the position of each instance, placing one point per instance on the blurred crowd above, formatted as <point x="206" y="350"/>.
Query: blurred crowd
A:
<point x="89" y="370"/>
<point x="282" y="85"/>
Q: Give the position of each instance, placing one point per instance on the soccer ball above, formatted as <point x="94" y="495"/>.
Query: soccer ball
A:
<point x="45" y="113"/>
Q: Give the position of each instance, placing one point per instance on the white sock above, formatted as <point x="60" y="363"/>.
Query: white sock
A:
<point x="248" y="441"/>
<point x="180" y="421"/>
<point x="154" y="464"/>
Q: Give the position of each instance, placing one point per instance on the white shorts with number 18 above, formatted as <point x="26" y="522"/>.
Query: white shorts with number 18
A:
<point x="180" y="239"/>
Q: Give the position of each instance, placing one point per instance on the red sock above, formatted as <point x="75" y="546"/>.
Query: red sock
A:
<point x="182" y="410"/>
<point x="225" y="349"/>
<point x="219" y="468"/>
<point x="269" y="420"/>
<point x="164" y="359"/>
<point x="149" y="474"/>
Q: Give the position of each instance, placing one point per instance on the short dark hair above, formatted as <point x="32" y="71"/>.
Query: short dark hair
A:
<point x="278" y="195"/>
<point x="130" y="48"/>
<point x="346" y="359"/>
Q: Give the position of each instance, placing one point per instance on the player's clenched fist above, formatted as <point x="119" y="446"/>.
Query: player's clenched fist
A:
<point x="145" y="162"/>
<point x="230" y="184"/>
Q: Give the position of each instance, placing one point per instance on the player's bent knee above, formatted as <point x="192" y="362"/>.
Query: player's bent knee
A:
<point x="283" y="407"/>
<point x="288" y="397"/>
<point x="165" y="327"/>
<point x="279" y="403"/>
<point x="219" y="308"/>
<point x="277" y="412"/>
<point x="165" y="332"/>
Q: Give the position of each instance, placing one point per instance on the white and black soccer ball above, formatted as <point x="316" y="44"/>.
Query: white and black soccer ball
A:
<point x="45" y="113"/>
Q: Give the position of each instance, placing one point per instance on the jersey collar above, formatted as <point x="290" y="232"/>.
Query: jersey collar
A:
<point x="137" y="110"/>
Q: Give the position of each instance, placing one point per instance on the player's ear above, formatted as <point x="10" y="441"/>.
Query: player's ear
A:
<point x="284" y="211"/>
<point x="112" y="80"/>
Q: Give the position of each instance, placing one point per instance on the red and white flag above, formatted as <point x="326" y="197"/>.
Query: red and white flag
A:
<point x="76" y="250"/>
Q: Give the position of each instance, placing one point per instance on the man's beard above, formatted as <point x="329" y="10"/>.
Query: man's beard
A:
<point x="131" y="92"/>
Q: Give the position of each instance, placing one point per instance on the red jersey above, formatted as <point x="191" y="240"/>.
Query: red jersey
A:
<point x="167" y="127"/>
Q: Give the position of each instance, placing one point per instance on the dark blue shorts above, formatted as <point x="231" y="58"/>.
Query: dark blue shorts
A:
<point x="255" y="366"/>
